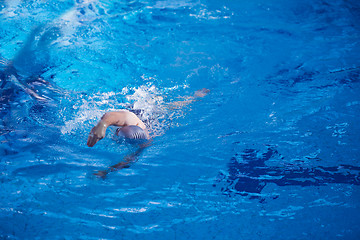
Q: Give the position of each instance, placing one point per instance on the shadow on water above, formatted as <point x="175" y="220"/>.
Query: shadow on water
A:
<point x="248" y="174"/>
<point x="42" y="170"/>
<point x="22" y="74"/>
<point x="27" y="101"/>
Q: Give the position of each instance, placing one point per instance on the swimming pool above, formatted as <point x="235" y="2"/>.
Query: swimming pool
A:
<point x="272" y="152"/>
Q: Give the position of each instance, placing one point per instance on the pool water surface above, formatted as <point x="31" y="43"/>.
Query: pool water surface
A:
<point x="271" y="152"/>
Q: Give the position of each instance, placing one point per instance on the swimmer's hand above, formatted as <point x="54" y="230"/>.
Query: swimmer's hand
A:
<point x="97" y="133"/>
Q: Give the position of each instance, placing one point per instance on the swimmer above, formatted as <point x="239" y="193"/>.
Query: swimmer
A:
<point x="132" y="128"/>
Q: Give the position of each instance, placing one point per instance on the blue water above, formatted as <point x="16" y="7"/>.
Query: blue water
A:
<point x="272" y="152"/>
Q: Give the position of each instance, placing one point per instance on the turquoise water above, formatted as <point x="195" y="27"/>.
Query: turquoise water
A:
<point x="272" y="152"/>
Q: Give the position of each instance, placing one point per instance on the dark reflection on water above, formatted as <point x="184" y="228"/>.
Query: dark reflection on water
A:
<point x="248" y="174"/>
<point x="27" y="99"/>
<point x="41" y="170"/>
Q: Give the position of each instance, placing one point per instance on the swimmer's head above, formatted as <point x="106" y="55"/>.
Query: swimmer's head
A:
<point x="132" y="134"/>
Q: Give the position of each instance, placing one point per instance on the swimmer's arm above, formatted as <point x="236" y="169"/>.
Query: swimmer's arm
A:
<point x="128" y="159"/>
<point x="189" y="99"/>
<point x="119" y="119"/>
